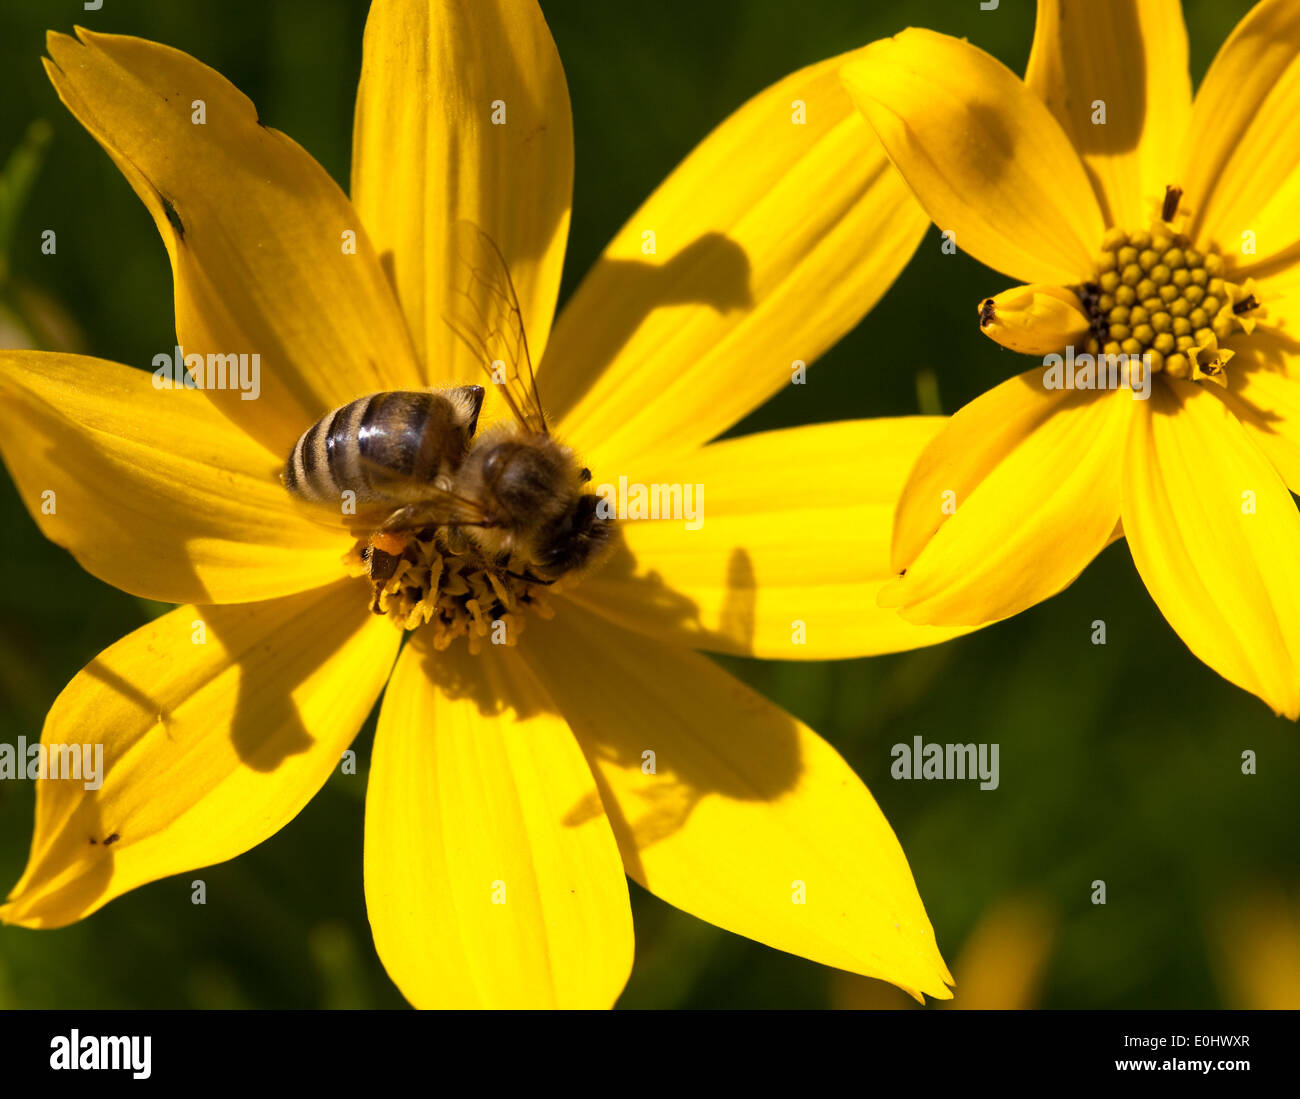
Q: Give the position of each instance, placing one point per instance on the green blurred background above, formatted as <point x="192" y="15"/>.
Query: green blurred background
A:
<point x="1120" y="762"/>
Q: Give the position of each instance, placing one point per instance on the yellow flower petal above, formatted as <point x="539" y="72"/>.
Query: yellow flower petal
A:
<point x="1216" y="537"/>
<point x="791" y="550"/>
<point x="732" y="810"/>
<point x="1009" y="503"/>
<point x="463" y="112"/>
<point x="1131" y="58"/>
<point x="256" y="230"/>
<point x="1267" y="404"/>
<point x="768" y="243"/>
<point x="1254" y="933"/>
<point x="154" y="491"/>
<point x="218" y="724"/>
<point x="492" y="875"/>
<point x="1279" y="293"/>
<point x="983" y="154"/>
<point x="1242" y="154"/>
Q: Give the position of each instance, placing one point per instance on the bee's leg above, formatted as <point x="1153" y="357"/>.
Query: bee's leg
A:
<point x="456" y="540"/>
<point x="424" y="513"/>
<point x="528" y="577"/>
<point x="380" y="563"/>
<point x="390" y="530"/>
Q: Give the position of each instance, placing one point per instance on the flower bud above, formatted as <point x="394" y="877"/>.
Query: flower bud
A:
<point x="1035" y="320"/>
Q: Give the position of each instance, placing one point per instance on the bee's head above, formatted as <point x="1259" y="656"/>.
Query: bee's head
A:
<point x="532" y="488"/>
<point x="574" y="539"/>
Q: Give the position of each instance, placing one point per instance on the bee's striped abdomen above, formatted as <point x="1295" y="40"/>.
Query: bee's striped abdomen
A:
<point x="377" y="446"/>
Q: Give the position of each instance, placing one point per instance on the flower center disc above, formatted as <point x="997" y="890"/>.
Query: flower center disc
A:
<point x="1155" y="294"/>
<point x="441" y="581"/>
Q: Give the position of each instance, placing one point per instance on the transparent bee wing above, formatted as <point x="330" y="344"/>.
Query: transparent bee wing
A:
<point x="484" y="312"/>
<point x="411" y="505"/>
<point x="435" y="508"/>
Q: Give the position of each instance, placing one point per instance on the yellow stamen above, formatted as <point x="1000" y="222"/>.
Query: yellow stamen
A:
<point x="453" y="591"/>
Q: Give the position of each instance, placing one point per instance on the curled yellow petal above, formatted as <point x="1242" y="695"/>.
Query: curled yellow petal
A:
<point x="986" y="158"/>
<point x="268" y="256"/>
<point x="1035" y="320"/>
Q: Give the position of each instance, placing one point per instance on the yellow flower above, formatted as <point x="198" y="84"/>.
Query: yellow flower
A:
<point x="509" y="790"/>
<point x="1172" y="222"/>
<point x="1254" y="935"/>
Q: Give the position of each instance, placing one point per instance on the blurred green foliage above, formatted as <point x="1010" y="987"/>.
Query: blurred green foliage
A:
<point x="1119" y="762"/>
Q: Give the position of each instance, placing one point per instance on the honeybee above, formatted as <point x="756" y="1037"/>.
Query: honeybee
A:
<point x="416" y="465"/>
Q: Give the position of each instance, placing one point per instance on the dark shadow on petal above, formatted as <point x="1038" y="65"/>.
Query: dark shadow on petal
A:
<point x="274" y="646"/>
<point x="713" y="270"/>
<point x="1126" y="102"/>
<point x="280" y="644"/>
<point x="619" y="689"/>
